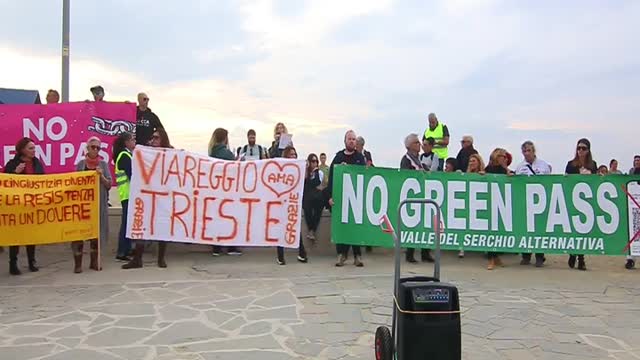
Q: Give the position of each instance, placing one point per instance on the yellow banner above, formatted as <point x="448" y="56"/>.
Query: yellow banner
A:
<point x="46" y="209"/>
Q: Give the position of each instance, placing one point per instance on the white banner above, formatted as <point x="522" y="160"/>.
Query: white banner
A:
<point x="181" y="196"/>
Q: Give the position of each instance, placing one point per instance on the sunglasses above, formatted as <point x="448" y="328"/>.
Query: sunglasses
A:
<point x="583" y="148"/>
<point x="145" y="99"/>
<point x="314" y="160"/>
<point x="94" y="147"/>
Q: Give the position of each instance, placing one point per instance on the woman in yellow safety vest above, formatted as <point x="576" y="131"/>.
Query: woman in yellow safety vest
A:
<point x="122" y="148"/>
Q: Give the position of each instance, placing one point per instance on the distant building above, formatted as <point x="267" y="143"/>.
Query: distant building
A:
<point x="19" y="96"/>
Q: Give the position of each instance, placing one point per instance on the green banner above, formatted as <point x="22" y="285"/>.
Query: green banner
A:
<point x="575" y="214"/>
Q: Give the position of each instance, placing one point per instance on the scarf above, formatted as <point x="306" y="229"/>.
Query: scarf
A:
<point x="415" y="161"/>
<point x="90" y="163"/>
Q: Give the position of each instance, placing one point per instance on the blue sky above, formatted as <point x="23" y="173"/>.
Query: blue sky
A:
<point x="502" y="71"/>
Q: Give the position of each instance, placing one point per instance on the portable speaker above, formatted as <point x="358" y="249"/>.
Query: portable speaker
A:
<point x="428" y="335"/>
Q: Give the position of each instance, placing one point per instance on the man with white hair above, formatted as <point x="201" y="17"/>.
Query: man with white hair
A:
<point x="361" y="150"/>
<point x="532" y="166"/>
<point x="348" y="156"/>
<point x="146" y="121"/>
<point x="465" y="153"/>
<point x="411" y="161"/>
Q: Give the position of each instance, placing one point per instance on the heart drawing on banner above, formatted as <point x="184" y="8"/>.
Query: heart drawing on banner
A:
<point x="280" y="178"/>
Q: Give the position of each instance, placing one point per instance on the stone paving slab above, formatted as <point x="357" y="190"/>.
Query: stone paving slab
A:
<point x="229" y="310"/>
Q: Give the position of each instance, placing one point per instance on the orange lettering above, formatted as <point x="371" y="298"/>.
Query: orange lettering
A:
<point x="223" y="216"/>
<point x="153" y="206"/>
<point x="248" y="165"/>
<point x="146" y="175"/>
<point x="205" y="219"/>
<point x="188" y="170"/>
<point x="271" y="220"/>
<point x="201" y="173"/>
<point x="178" y="214"/>
<point x="249" y="203"/>
<point x="174" y="169"/>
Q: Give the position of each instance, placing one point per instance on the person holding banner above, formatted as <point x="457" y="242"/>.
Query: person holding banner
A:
<point x="583" y="164"/>
<point x="24" y="163"/>
<point x="348" y="156"/>
<point x="499" y="162"/>
<point x="411" y="161"/>
<point x="122" y="152"/>
<point x="219" y="149"/>
<point x="92" y="161"/>
<point x="532" y="166"/>
<point x="290" y="153"/>
<point x="160" y="139"/>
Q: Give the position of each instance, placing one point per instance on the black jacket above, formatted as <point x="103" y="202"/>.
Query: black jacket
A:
<point x="463" y="158"/>
<point x="146" y="122"/>
<point x="354" y="159"/>
<point x="11" y="166"/>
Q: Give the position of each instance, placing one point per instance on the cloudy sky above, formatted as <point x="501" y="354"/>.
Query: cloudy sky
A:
<point x="502" y="71"/>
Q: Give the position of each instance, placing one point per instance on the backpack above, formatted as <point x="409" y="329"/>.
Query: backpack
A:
<point x="243" y="150"/>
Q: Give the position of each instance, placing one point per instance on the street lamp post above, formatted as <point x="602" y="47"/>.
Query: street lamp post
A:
<point x="65" y="50"/>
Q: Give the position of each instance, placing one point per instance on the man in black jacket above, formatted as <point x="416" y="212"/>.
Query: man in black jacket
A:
<point x="348" y="156"/>
<point x="465" y="152"/>
<point x="146" y="121"/>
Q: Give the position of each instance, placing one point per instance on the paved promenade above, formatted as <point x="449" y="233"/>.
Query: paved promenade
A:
<point x="204" y="308"/>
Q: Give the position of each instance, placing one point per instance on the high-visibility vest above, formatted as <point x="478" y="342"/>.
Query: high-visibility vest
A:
<point x="438" y="134"/>
<point x="122" y="180"/>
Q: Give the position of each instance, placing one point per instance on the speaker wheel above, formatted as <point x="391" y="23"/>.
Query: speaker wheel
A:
<point x="384" y="344"/>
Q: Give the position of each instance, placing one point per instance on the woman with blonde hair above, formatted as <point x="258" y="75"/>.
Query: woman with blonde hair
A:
<point x="476" y="164"/>
<point x="278" y="130"/>
<point x="93" y="162"/>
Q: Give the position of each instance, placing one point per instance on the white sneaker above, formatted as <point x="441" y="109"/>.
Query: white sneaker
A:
<point x="461" y="254"/>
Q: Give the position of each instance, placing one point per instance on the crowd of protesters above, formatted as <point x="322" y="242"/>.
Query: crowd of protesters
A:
<point x="426" y="153"/>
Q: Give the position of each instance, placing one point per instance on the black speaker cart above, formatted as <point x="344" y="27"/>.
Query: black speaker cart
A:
<point x="425" y="321"/>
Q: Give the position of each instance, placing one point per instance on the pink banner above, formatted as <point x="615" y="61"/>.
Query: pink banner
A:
<point x="60" y="131"/>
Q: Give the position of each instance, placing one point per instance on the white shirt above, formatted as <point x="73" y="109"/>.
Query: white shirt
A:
<point x="539" y="166"/>
<point x="248" y="153"/>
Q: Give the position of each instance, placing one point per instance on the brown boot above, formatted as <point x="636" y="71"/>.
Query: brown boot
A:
<point x="492" y="264"/>
<point x="77" y="256"/>
<point x="162" y="250"/>
<point x="136" y="260"/>
<point x="95" y="263"/>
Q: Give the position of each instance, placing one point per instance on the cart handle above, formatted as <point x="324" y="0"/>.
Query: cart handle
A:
<point x="398" y="251"/>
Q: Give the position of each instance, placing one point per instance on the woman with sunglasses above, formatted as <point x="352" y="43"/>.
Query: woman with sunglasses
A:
<point x="582" y="164"/>
<point x="159" y="139"/>
<point x="290" y="153"/>
<point x="312" y="202"/>
<point x="93" y="162"/>
<point x="24" y="163"/>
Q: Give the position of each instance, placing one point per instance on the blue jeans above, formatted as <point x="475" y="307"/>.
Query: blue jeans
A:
<point x="124" y="243"/>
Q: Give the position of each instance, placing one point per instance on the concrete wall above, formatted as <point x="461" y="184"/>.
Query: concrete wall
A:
<point x="323" y="242"/>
